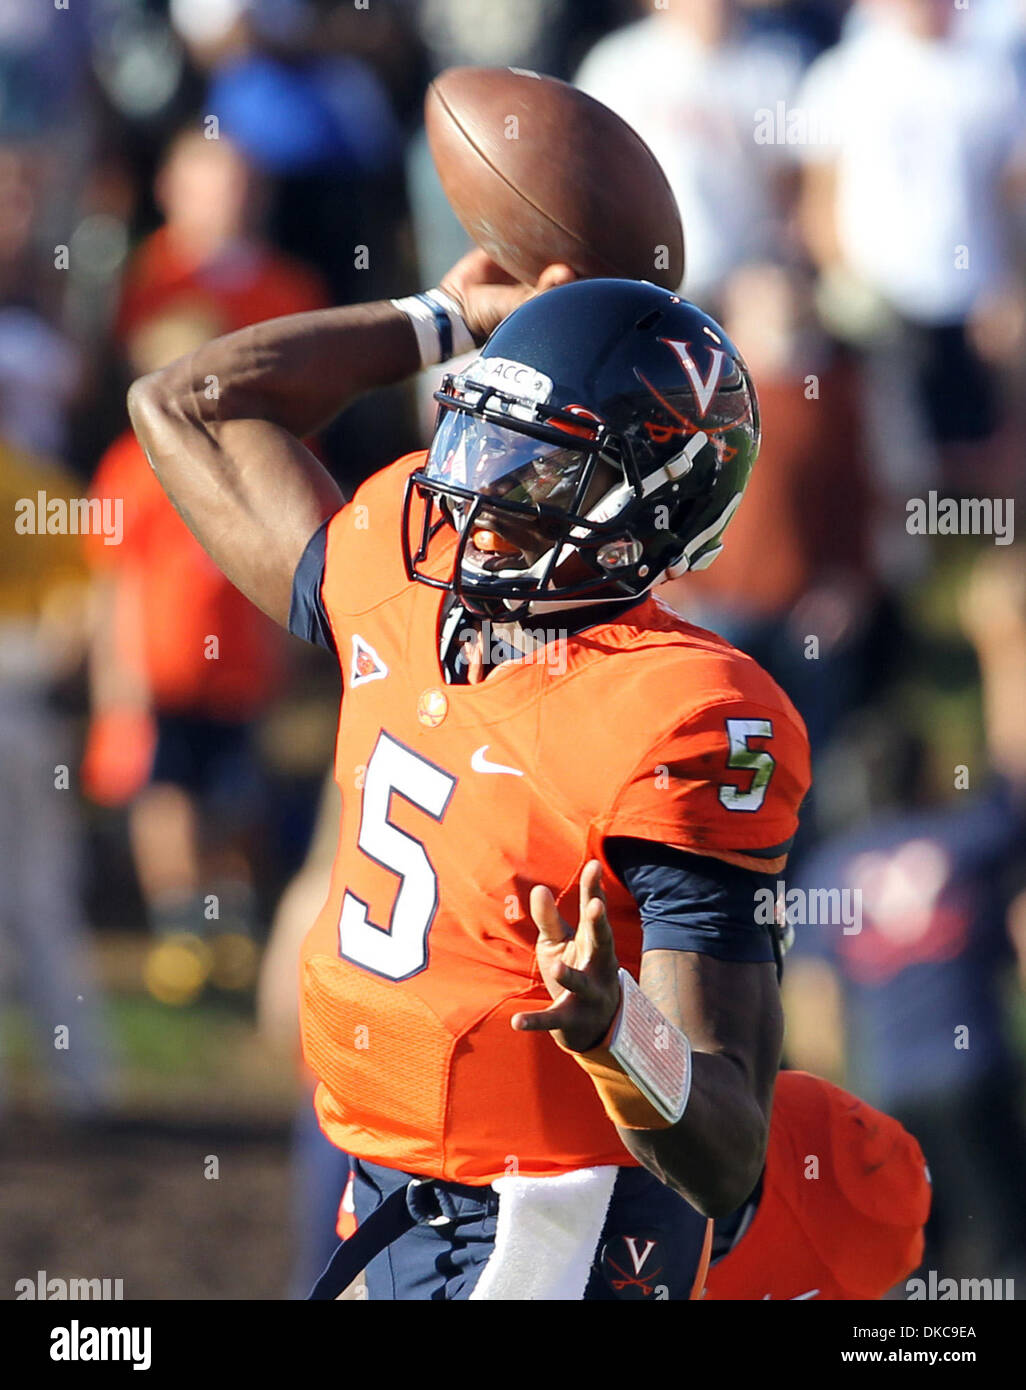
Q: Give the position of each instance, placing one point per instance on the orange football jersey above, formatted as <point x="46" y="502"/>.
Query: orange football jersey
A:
<point x="457" y="799"/>
<point x="845" y="1197"/>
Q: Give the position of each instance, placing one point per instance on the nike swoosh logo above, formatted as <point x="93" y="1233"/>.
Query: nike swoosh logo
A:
<point x="480" y="763"/>
<point x="796" y="1298"/>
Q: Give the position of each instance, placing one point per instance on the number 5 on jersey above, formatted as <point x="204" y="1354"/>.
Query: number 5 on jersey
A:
<point x="400" y="949"/>
<point x="756" y="760"/>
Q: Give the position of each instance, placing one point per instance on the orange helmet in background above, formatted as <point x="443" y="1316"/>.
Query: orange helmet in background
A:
<point x="846" y="1193"/>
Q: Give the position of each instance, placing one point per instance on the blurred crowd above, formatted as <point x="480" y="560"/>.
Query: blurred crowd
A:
<point x="852" y="181"/>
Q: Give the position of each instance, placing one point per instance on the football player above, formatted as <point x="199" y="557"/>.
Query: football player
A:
<point x="540" y="1000"/>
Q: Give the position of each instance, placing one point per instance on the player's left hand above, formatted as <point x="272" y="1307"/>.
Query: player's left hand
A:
<point x="579" y="968"/>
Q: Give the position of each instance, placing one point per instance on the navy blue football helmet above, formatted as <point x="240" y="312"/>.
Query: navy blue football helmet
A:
<point x="599" y="445"/>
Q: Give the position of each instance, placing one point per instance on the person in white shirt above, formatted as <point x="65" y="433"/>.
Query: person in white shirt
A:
<point x="691" y="80"/>
<point x="911" y="134"/>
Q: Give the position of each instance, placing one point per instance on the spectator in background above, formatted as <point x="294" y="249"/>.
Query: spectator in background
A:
<point x="912" y="134"/>
<point x="42" y="604"/>
<point x="181" y="668"/>
<point x="182" y="664"/>
<point x="692" y="80"/>
<point x="209" y="253"/>
<point x="319" y="121"/>
<point x="794" y="585"/>
<point x="913" y="1000"/>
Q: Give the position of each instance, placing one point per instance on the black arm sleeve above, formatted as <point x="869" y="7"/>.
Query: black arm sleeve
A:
<point x="308" y="617"/>
<point x="691" y="902"/>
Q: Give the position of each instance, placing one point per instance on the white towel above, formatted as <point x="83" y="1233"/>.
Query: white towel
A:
<point x="547" y="1235"/>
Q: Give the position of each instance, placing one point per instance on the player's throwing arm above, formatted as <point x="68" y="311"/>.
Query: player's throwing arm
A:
<point x="684" y="1066"/>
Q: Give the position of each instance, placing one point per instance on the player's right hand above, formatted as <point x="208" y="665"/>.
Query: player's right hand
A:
<point x="578" y="967"/>
<point x="487" y="294"/>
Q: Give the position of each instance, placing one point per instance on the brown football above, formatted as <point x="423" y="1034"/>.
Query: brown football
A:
<point x="539" y="172"/>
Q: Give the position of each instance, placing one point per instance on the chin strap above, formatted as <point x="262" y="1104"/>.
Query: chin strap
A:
<point x="691" y="561"/>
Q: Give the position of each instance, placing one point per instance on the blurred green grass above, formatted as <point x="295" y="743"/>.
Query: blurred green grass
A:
<point x="203" y="1060"/>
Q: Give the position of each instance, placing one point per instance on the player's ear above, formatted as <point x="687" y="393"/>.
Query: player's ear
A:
<point x="556" y="274"/>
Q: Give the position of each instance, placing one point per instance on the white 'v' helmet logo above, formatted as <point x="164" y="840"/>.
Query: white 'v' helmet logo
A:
<point x="704" y="390"/>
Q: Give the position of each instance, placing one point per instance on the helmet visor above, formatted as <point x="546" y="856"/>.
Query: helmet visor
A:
<point x="503" y="464"/>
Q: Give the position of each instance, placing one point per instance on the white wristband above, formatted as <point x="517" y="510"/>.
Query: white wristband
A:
<point x="653" y="1052"/>
<point x="439" y="325"/>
